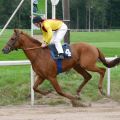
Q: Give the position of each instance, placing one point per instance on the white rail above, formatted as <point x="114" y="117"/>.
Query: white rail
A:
<point x="11" y="63"/>
<point x="108" y="75"/>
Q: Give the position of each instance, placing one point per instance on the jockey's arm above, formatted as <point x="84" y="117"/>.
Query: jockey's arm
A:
<point x="47" y="35"/>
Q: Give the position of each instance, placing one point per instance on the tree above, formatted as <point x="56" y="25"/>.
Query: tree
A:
<point x="83" y="13"/>
<point x="22" y="17"/>
<point x="113" y="16"/>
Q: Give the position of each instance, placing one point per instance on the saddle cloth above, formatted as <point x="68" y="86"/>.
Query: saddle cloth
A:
<point x="66" y="49"/>
<point x="54" y="53"/>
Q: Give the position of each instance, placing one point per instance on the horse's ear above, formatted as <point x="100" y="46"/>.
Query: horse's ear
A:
<point x="21" y="32"/>
<point x="16" y="31"/>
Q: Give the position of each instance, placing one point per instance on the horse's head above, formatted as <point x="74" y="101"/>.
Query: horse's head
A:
<point x="13" y="43"/>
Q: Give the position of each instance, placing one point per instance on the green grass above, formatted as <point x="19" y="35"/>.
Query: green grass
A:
<point x="41" y="6"/>
<point x="13" y="55"/>
<point x="96" y="37"/>
<point x="15" y="80"/>
<point x="14" y="85"/>
<point x="108" y="42"/>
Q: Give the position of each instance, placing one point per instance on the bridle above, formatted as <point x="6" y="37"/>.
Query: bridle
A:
<point x="32" y="48"/>
<point x="11" y="45"/>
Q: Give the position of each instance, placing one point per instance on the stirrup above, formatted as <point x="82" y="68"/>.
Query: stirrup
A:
<point x="59" y="56"/>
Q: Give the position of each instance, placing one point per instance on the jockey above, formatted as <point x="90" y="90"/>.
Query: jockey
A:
<point x="35" y="6"/>
<point x="53" y="31"/>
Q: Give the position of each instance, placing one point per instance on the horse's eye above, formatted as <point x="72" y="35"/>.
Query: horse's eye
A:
<point x="12" y="38"/>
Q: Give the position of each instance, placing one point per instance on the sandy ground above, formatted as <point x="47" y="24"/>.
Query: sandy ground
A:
<point x="102" y="110"/>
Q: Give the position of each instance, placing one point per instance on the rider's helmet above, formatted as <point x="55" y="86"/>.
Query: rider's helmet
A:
<point x="37" y="19"/>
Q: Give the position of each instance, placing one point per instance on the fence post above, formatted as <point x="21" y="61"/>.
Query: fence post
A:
<point x="32" y="83"/>
<point x="108" y="82"/>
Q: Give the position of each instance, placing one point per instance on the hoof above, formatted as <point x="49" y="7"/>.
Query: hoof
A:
<point x="47" y="92"/>
<point x="78" y="97"/>
<point x="77" y="103"/>
<point x="78" y="92"/>
<point x="102" y="93"/>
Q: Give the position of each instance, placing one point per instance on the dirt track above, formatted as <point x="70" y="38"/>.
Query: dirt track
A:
<point x="105" y="110"/>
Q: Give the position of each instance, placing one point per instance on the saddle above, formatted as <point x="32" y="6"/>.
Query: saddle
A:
<point x="67" y="54"/>
<point x="66" y="48"/>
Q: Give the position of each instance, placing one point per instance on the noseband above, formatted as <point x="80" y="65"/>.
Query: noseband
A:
<point x="14" y="40"/>
<point x="11" y="44"/>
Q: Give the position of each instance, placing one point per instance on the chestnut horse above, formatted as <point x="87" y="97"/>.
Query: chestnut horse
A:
<point x="84" y="58"/>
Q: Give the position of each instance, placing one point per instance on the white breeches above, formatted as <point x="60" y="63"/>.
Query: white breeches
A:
<point x="58" y="35"/>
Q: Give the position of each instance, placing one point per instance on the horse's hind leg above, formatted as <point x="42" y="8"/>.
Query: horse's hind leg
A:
<point x="38" y="82"/>
<point x="101" y="71"/>
<point x="86" y="76"/>
<point x="100" y="84"/>
<point x="59" y="90"/>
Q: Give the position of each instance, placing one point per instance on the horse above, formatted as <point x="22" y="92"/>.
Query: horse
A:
<point x="83" y="60"/>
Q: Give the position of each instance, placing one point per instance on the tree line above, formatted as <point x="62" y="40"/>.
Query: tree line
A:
<point x="96" y="14"/>
<point x="22" y="17"/>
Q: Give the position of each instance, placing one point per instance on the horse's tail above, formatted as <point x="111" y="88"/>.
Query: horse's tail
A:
<point x="108" y="64"/>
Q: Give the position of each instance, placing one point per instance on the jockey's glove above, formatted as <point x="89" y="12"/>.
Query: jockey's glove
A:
<point x="44" y="44"/>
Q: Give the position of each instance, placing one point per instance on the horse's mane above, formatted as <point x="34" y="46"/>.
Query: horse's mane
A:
<point x="32" y="39"/>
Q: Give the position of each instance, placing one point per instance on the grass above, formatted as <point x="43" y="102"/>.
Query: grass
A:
<point x="14" y="84"/>
<point x="41" y="6"/>
<point x="15" y="81"/>
<point x="13" y="55"/>
<point x="96" y="37"/>
<point x="108" y="42"/>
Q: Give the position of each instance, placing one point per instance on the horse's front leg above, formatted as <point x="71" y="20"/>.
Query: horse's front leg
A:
<point x="59" y="90"/>
<point x="74" y="100"/>
<point x="38" y="82"/>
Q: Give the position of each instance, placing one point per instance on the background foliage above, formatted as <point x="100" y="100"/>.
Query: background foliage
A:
<point x="104" y="14"/>
<point x="21" y="19"/>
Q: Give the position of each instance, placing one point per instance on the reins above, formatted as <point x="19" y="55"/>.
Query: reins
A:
<point x="32" y="48"/>
<point x="17" y="35"/>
